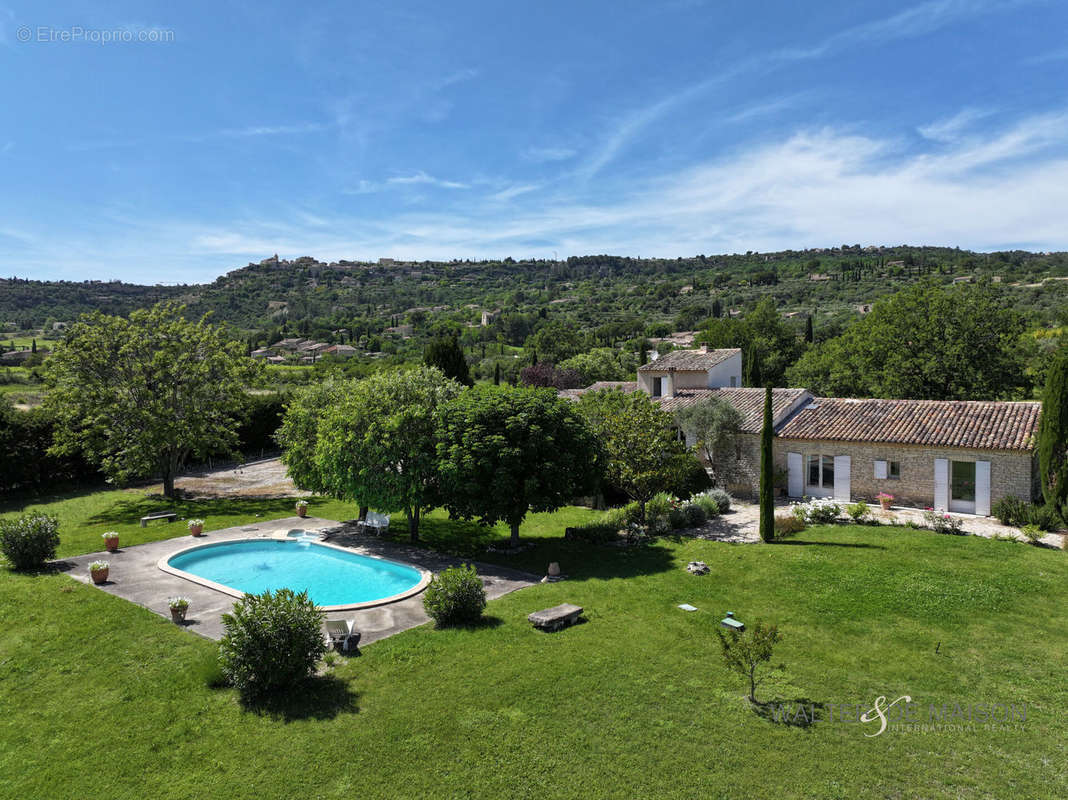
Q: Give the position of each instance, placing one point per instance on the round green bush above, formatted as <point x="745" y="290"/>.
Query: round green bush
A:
<point x="272" y="641"/>
<point x="695" y="515"/>
<point x="723" y="500"/>
<point x="455" y="596"/>
<point x="677" y="518"/>
<point x="30" y="540"/>
<point x="1012" y="511"/>
<point x="708" y="505"/>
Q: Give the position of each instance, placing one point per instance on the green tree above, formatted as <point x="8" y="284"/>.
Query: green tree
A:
<point x="1053" y="435"/>
<point x="139" y="396"/>
<point x="767" y="474"/>
<point x="299" y="431"/>
<point x="555" y="341"/>
<point x="643" y="454"/>
<point x="928" y="343"/>
<point x="603" y="364"/>
<point x="505" y="451"/>
<point x="746" y="652"/>
<point x="715" y="424"/>
<point x="769" y="344"/>
<point x="376" y="446"/>
<point x="445" y="353"/>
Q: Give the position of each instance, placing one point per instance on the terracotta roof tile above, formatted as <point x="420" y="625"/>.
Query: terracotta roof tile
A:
<point x="690" y="360"/>
<point x="749" y="401"/>
<point x="984" y="425"/>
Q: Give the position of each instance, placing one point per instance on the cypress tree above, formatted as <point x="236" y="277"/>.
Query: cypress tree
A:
<point x="1053" y="435"/>
<point x="496" y="374"/>
<point x="767" y="475"/>
<point x="809" y="333"/>
<point x="33" y="346"/>
<point x="446" y="354"/>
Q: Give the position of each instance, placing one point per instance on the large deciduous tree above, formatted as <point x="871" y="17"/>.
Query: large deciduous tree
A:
<point x="376" y="446"/>
<point x="715" y="424"/>
<point x="504" y="451"/>
<point x="643" y="454"/>
<point x="925" y="342"/>
<point x="299" y="431"/>
<point x="1053" y="435"/>
<point x="769" y="343"/>
<point x="139" y="396"/>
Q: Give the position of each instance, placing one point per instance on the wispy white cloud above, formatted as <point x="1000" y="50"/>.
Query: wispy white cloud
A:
<point x="1049" y="57"/>
<point x="269" y="130"/>
<point x="952" y="128"/>
<point x="423" y="178"/>
<point x="766" y="108"/>
<point x="919" y="20"/>
<point x="515" y="191"/>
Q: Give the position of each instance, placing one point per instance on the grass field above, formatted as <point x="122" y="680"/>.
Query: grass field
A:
<point x="104" y="698"/>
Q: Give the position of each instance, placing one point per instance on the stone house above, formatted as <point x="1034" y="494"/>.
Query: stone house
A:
<point x="960" y="456"/>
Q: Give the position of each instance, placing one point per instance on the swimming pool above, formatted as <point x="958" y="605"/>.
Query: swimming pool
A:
<point x="335" y="578"/>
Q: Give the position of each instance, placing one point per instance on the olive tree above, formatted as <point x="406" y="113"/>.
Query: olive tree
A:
<point x="375" y="445"/>
<point x="715" y="424"/>
<point x="140" y="395"/>
<point x="504" y="451"/>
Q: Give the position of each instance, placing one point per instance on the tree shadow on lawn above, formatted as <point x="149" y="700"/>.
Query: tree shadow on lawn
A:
<point x="797" y="712"/>
<point x="321" y="697"/>
<point x="807" y="542"/>
<point x="130" y="510"/>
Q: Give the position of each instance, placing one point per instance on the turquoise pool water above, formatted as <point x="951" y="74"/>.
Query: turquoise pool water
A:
<point x="331" y="577"/>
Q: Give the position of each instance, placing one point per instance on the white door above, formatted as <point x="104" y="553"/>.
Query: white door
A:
<point x="795" y="481"/>
<point x="941" y="498"/>
<point x="841" y="478"/>
<point x="982" y="488"/>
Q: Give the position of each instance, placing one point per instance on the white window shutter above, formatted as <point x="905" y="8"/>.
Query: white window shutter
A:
<point x="941" y="498"/>
<point x="841" y="478"/>
<point x="982" y="488"/>
<point x="795" y="480"/>
<point x="880" y="470"/>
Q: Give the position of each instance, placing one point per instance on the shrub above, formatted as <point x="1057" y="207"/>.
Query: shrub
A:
<point x="858" y="512"/>
<point x="818" y="512"/>
<point x="722" y="499"/>
<point x="30" y="540"/>
<point x="455" y="596"/>
<point x="695" y="515"/>
<point x="271" y="641"/>
<point x="1011" y="510"/>
<point x="593" y="532"/>
<point x="940" y="522"/>
<point x="788" y="524"/>
<point x="677" y="518"/>
<point x="708" y="505"/>
<point x="1044" y="518"/>
<point x="1033" y="533"/>
<point x="660" y="504"/>
<point x="693" y="478"/>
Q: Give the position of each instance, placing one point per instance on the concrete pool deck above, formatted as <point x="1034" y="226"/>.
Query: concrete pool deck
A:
<point x="135" y="576"/>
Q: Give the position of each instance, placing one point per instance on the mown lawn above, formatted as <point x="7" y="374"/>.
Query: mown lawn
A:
<point x="102" y="698"/>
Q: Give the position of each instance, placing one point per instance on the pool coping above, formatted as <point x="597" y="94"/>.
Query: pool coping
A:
<point x="424" y="576"/>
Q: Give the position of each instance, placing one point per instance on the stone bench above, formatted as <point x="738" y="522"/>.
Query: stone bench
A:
<point x="170" y="516"/>
<point x="555" y="618"/>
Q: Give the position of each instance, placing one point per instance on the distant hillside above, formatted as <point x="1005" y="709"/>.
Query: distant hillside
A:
<point x="592" y="291"/>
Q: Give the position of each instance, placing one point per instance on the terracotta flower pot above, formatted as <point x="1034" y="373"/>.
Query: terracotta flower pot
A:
<point x="302" y="511"/>
<point x="178" y="615"/>
<point x="197" y="530"/>
<point x="885" y="504"/>
<point x="99" y="575"/>
<point x="112" y="545"/>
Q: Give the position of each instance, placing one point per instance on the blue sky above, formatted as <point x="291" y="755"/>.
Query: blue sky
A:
<point x="461" y="129"/>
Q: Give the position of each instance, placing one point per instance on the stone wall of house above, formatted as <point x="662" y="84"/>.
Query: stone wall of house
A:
<point x="1011" y="471"/>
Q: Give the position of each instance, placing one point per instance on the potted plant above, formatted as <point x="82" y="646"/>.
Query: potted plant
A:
<point x="99" y="571"/>
<point x="196" y="526"/>
<point x="885" y="500"/>
<point x="178" y="606"/>
<point x="111" y="541"/>
<point x="302" y="508"/>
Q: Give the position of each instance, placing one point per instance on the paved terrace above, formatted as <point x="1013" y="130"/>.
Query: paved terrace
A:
<point x="134" y="576"/>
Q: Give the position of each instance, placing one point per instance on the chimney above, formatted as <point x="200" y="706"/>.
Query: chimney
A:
<point x="669" y="391"/>
<point x="705" y="347"/>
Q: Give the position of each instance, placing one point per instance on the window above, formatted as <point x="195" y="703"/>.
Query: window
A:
<point x="658" y="387"/>
<point x="962" y="481"/>
<point x="734" y="381"/>
<point x="895" y="471"/>
<point x="820" y="472"/>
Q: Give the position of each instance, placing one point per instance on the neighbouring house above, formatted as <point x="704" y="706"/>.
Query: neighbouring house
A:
<point x="340" y="351"/>
<point x="262" y="352"/>
<point x="489" y="317"/>
<point x="289" y="344"/>
<point x="960" y="456"/>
